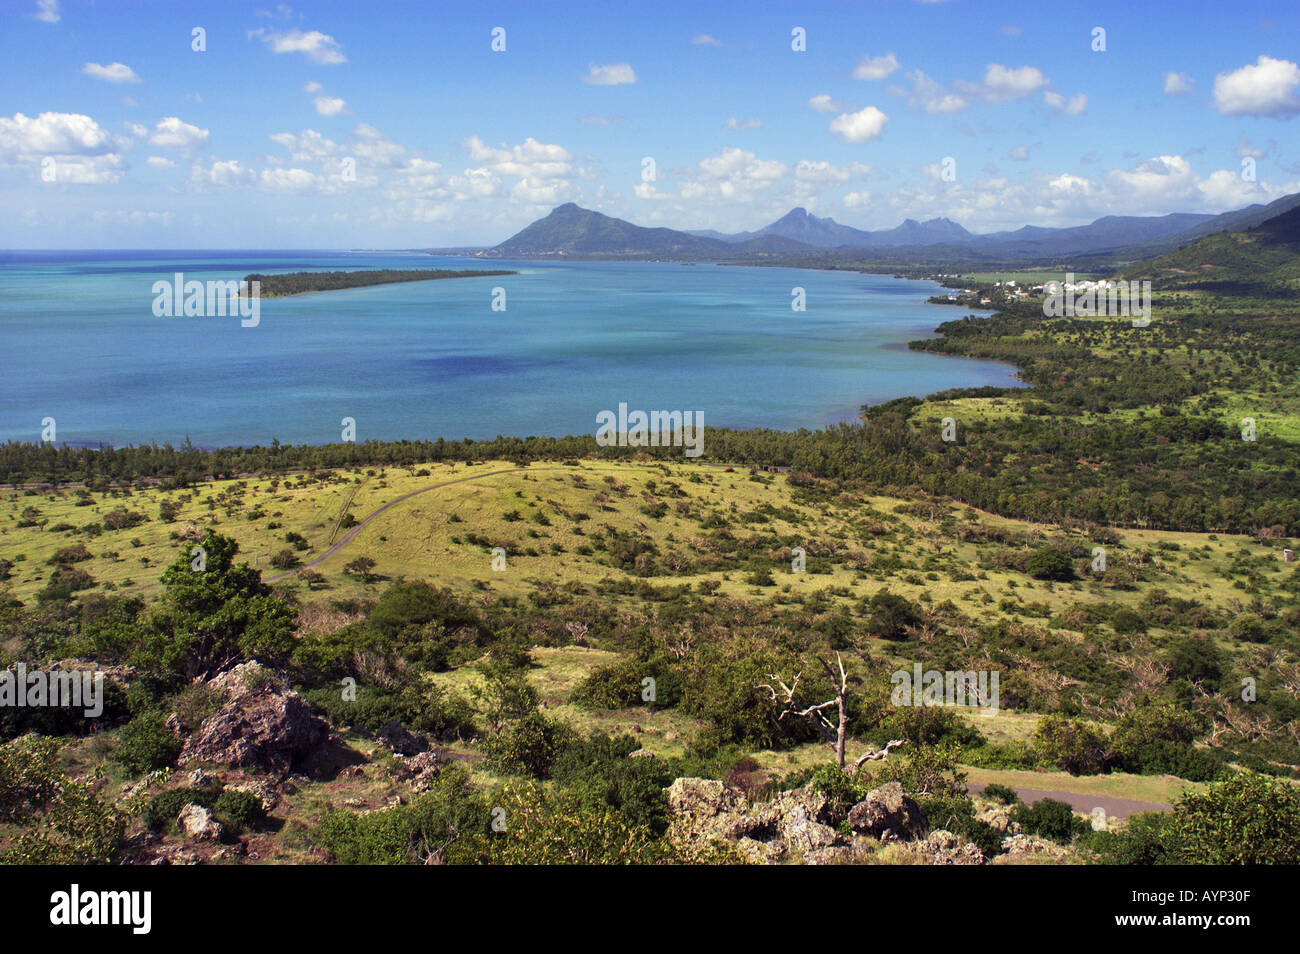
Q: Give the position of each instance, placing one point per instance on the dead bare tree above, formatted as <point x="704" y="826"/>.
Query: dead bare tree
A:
<point x="835" y="732"/>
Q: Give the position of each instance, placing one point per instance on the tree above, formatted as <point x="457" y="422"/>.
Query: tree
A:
<point x="1050" y="563"/>
<point x="519" y="738"/>
<point x="361" y="567"/>
<point x="286" y="559"/>
<point x="215" y="613"/>
<point x="891" y="615"/>
<point x="1072" y="745"/>
<point x="835" y="732"/>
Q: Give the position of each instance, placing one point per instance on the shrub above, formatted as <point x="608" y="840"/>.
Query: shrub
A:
<point x="1126" y="622"/>
<point x="195" y="703"/>
<point x="599" y="774"/>
<point x="159" y="813"/>
<point x="361" y="567"/>
<point x="955" y="812"/>
<point x="123" y="519"/>
<point x="57" y="819"/>
<point x="1154" y="739"/>
<point x="238" y="810"/>
<point x="420" y="604"/>
<point x="420" y="707"/>
<point x="1246" y="820"/>
<point x="286" y="559"/>
<point x="73" y="554"/>
<point x="528" y="745"/>
<point x="842" y="792"/>
<point x="556" y="829"/>
<point x="929" y="725"/>
<point x="1140" y="842"/>
<point x="145" y="743"/>
<point x="890" y="615"/>
<point x="1196" y="660"/>
<point x="1049" y="818"/>
<point x="608" y="687"/>
<point x="63" y="583"/>
<point x="1071" y="745"/>
<point x="923" y="770"/>
<point x="1250" y="628"/>
<point x="449" y="821"/>
<point x="1050" y="563"/>
<point x="1003" y="794"/>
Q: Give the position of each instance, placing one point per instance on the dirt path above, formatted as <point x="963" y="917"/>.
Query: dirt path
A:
<point x="358" y="527"/>
<point x="361" y="525"/>
<point x="1112" y="805"/>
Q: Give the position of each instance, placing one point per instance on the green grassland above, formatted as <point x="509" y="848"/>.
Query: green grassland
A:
<point x="548" y="516"/>
<point x="1029" y="276"/>
<point x="544" y="515"/>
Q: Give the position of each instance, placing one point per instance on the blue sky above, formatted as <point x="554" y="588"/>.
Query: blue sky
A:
<point x="393" y="125"/>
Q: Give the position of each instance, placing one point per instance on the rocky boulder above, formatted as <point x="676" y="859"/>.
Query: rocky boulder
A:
<point x="423" y="769"/>
<point x="238" y="681"/>
<point x="998" y="817"/>
<point x="1023" y="848"/>
<point x="197" y="823"/>
<point x="706" y="809"/>
<point x="942" y="847"/>
<point x="888" y="813"/>
<point x="267" y="728"/>
<point x="402" y="742"/>
<point x="795" y="825"/>
<point x="800" y="819"/>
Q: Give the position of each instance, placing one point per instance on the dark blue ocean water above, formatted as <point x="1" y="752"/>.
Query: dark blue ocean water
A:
<point x="81" y="344"/>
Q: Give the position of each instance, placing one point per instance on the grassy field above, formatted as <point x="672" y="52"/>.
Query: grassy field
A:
<point x="546" y="517"/>
<point x="1034" y="276"/>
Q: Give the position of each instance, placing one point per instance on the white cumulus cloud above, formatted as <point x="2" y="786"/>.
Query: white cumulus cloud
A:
<point x="112" y="73"/>
<point x="172" y="133"/>
<point x="615" y="74"/>
<point x="862" y="126"/>
<point x="823" y="103"/>
<point x="1002" y="84"/>
<point x="52" y="134"/>
<point x="1074" y="106"/>
<point x="329" y="105"/>
<point x="1268" y="87"/>
<point x="1178" y="84"/>
<point x="316" y="46"/>
<point x="876" y="67"/>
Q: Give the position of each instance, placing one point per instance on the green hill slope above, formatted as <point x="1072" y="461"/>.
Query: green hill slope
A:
<point x="1263" y="261"/>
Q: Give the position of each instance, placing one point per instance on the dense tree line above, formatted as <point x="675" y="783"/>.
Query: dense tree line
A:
<point x="295" y="283"/>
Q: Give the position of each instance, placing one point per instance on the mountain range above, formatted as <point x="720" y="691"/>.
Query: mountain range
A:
<point x="574" y="232"/>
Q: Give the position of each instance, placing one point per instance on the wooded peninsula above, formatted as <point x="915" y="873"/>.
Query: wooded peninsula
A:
<point x="300" y="283"/>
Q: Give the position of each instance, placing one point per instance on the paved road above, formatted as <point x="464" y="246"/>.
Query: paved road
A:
<point x="1112" y="805"/>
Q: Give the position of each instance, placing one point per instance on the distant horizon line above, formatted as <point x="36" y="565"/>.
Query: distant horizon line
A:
<point x="688" y="231"/>
<point x="445" y="248"/>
